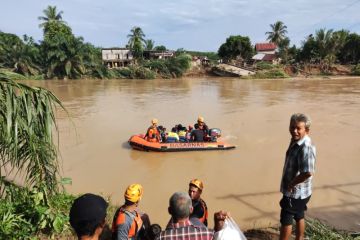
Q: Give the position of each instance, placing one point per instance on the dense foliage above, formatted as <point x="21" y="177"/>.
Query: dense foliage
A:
<point x="26" y="213"/>
<point x="236" y="46"/>
<point x="28" y="154"/>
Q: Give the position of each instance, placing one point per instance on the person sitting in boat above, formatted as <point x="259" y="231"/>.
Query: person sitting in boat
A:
<point x="182" y="133"/>
<point x="172" y="136"/>
<point x="162" y="131"/>
<point x="197" y="135"/>
<point x="188" y="133"/>
<point x="153" y="132"/>
<point x="202" y="124"/>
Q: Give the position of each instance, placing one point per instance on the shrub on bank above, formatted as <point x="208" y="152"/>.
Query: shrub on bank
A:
<point x="317" y="230"/>
<point x="16" y="76"/>
<point x="273" y="73"/>
<point x="27" y="213"/>
<point x="168" y="68"/>
<point x="356" y="70"/>
<point x="264" y="66"/>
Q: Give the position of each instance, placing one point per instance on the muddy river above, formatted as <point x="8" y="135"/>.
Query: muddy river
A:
<point x="252" y="114"/>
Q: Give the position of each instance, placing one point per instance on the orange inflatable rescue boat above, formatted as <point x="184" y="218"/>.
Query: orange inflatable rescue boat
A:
<point x="138" y="142"/>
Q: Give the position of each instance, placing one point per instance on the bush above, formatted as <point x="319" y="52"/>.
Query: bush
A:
<point x="356" y="70"/>
<point x="264" y="66"/>
<point x="317" y="230"/>
<point x="27" y="213"/>
<point x="172" y="67"/>
<point x="16" y="76"/>
<point x="273" y="73"/>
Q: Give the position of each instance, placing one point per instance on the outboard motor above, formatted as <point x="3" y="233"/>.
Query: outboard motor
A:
<point x="214" y="134"/>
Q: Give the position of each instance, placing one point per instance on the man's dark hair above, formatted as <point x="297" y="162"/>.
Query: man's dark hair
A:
<point x="154" y="231"/>
<point x="87" y="227"/>
<point x="87" y="213"/>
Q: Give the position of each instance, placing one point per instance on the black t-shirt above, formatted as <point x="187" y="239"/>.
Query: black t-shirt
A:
<point x="198" y="211"/>
<point x="197" y="135"/>
<point x="205" y="128"/>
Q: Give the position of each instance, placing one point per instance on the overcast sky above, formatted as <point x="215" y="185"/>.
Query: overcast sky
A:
<point x="191" y="24"/>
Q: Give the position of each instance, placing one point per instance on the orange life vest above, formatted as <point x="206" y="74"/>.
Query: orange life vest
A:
<point x="204" y="207"/>
<point x="151" y="132"/>
<point x="120" y="218"/>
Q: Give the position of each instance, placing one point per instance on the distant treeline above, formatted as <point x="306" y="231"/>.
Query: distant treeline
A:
<point x="61" y="54"/>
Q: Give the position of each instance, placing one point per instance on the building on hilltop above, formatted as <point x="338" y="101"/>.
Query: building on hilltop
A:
<point x="117" y="57"/>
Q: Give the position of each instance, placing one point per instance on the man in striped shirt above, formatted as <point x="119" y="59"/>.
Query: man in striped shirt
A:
<point x="296" y="180"/>
<point x="181" y="228"/>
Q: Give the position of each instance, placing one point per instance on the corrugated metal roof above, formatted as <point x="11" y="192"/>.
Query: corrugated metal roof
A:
<point x="258" y="56"/>
<point x="264" y="57"/>
<point x="265" y="46"/>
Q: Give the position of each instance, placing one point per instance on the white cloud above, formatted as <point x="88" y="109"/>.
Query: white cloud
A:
<point x="200" y="24"/>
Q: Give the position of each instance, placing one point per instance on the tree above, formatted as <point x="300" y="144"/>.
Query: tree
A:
<point x="324" y="41"/>
<point x="149" y="44"/>
<point x="236" y="46"/>
<point x="20" y="55"/>
<point x="51" y="16"/>
<point x="160" y="48"/>
<point x="64" y="56"/>
<point x="350" y="52"/>
<point x="277" y="34"/>
<point x="283" y="46"/>
<point x="26" y="141"/>
<point x="136" y="41"/>
<point x="62" y="52"/>
<point x="309" y="51"/>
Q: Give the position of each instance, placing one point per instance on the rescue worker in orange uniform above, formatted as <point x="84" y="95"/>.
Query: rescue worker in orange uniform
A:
<point x="153" y="132"/>
<point x="200" y="209"/>
<point x="129" y="222"/>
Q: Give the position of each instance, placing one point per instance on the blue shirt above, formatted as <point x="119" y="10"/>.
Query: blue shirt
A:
<point x="300" y="158"/>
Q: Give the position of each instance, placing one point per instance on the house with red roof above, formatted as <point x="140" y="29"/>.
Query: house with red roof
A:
<point x="267" y="48"/>
<point x="266" y="52"/>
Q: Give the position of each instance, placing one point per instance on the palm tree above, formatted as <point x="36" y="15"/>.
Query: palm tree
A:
<point x="136" y="36"/>
<point x="51" y="16"/>
<point x="26" y="140"/>
<point x="149" y="44"/>
<point x="18" y="55"/>
<point x="64" y="57"/>
<point x="278" y="32"/>
<point x="136" y="41"/>
<point x="323" y="38"/>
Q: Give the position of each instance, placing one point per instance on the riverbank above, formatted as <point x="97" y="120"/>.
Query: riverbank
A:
<point x="163" y="70"/>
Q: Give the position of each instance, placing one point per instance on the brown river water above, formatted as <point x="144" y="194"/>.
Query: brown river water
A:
<point x="252" y="114"/>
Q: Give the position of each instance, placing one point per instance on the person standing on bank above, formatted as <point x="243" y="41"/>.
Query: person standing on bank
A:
<point x="296" y="181"/>
<point x="87" y="216"/>
<point x="129" y="222"/>
<point x="200" y="209"/>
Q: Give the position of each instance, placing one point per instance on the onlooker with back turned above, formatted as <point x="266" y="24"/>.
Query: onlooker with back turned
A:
<point x="87" y="216"/>
<point x="296" y="181"/>
<point x="181" y="228"/>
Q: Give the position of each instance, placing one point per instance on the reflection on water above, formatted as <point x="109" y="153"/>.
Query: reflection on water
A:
<point x="253" y="114"/>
